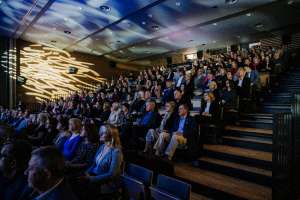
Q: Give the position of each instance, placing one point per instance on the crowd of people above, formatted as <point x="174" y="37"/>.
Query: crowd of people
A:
<point x="78" y="142"/>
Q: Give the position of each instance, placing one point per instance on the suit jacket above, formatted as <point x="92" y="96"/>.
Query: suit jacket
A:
<point x="244" y="91"/>
<point x="213" y="109"/>
<point x="190" y="132"/>
<point x="60" y="192"/>
<point x="170" y="121"/>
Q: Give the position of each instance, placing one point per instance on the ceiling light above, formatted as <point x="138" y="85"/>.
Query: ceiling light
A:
<point x="66" y="19"/>
<point x="248" y="14"/>
<point x="105" y="8"/>
<point x="118" y="41"/>
<point x="143" y="22"/>
<point x="67" y="32"/>
<point x="80" y="8"/>
<point x="150" y="15"/>
<point x="53" y="41"/>
<point x="215" y="24"/>
<point x="231" y="2"/>
<point x="238" y="36"/>
<point x="178" y="3"/>
<point x="155" y="27"/>
<point x="0" y="2"/>
<point x="290" y="2"/>
<point x="147" y="52"/>
<point x="203" y="44"/>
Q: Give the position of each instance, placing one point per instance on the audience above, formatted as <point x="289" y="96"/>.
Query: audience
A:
<point x="153" y="108"/>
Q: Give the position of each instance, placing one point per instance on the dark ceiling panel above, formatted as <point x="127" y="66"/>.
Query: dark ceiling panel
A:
<point x="80" y="18"/>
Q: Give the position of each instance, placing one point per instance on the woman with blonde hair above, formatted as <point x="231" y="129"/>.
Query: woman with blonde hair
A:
<point x="103" y="175"/>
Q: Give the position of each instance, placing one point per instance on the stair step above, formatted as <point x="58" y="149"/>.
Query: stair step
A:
<point x="259" y="123"/>
<point x="240" y="155"/>
<point x="244" y="172"/>
<point x="257" y="116"/>
<point x="248" y="131"/>
<point x="249" y="143"/>
<point x="226" y="186"/>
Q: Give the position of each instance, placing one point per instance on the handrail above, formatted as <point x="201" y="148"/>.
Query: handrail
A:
<point x="282" y="156"/>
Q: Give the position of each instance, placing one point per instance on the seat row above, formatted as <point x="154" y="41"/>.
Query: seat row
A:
<point x="137" y="185"/>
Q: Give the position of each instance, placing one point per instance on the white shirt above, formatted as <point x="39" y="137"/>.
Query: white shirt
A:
<point x="240" y="82"/>
<point x="207" y="107"/>
<point x="178" y="84"/>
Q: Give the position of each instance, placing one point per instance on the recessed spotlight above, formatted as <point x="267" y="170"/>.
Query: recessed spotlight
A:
<point x="0" y="2"/>
<point x="238" y="36"/>
<point x="290" y="2"/>
<point x="203" y="44"/>
<point x="178" y="3"/>
<point x="150" y="15"/>
<point x="118" y="41"/>
<point x="121" y="51"/>
<point x="105" y="8"/>
<point x="231" y="2"/>
<point x="155" y="27"/>
<point x="66" y="19"/>
<point x="143" y="22"/>
<point x="215" y="24"/>
<point x="133" y="47"/>
<point x="248" y="14"/>
<point x="148" y="52"/>
<point x="80" y="8"/>
<point x="67" y="32"/>
<point x="53" y="41"/>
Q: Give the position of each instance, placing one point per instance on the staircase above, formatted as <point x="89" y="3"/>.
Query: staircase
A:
<point x="241" y="168"/>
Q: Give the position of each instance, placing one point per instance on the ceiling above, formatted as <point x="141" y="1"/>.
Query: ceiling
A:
<point x="133" y="30"/>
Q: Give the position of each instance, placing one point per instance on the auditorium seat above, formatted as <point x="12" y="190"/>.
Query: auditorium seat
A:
<point x="136" y="182"/>
<point x="168" y="188"/>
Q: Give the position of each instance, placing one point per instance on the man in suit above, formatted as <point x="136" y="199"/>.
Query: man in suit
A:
<point x="184" y="133"/>
<point x="46" y="175"/>
<point x="13" y="162"/>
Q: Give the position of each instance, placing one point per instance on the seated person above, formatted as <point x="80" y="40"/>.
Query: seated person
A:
<point x="72" y="143"/>
<point x="63" y="133"/>
<point x="87" y="149"/>
<point x="209" y="109"/>
<point x="165" y="126"/>
<point x="13" y="162"/>
<point x="184" y="133"/>
<point x="168" y="93"/>
<point x="148" y="121"/>
<point x="114" y="117"/>
<point x="180" y="99"/>
<point x="40" y="132"/>
<point x="103" y="176"/>
<point x="46" y="175"/>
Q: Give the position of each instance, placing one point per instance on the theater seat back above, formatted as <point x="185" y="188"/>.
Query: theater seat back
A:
<point x="140" y="173"/>
<point x="174" y="187"/>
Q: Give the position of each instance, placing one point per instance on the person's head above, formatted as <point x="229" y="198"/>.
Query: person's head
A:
<point x="109" y="134"/>
<point x="125" y="107"/>
<point x="247" y="69"/>
<point x="177" y="94"/>
<point x="14" y="157"/>
<point x="150" y="106"/>
<point x="74" y="125"/>
<point x="183" y="110"/>
<point x="42" y="118"/>
<point x="170" y="106"/>
<point x="213" y="85"/>
<point x="209" y="97"/>
<point x="147" y="94"/>
<point x="45" y="168"/>
<point x="89" y="132"/>
<point x="106" y="106"/>
<point x="169" y="84"/>
<point x="115" y="106"/>
<point x="241" y="72"/>
<point x="229" y="85"/>
<point x="229" y="75"/>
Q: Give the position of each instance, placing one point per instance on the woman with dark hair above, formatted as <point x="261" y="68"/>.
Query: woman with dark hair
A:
<point x="63" y="133"/>
<point x="86" y="151"/>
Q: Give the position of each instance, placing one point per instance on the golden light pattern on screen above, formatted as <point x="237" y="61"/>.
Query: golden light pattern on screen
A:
<point x="46" y="71"/>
